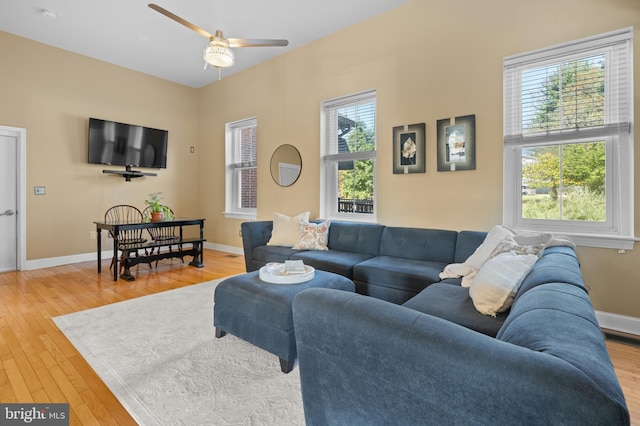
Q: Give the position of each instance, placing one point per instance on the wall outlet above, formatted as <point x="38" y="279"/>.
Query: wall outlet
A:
<point x="39" y="190"/>
<point x="93" y="235"/>
<point x="240" y="233"/>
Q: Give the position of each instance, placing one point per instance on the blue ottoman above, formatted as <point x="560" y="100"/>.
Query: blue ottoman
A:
<point x="260" y="313"/>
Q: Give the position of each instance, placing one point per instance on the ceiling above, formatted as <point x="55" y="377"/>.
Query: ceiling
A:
<point x="130" y="34"/>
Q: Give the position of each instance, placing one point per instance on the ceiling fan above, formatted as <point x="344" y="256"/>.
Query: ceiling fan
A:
<point x="218" y="53"/>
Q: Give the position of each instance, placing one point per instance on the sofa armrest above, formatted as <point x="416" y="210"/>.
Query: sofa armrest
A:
<point x="364" y="361"/>
<point x="254" y="234"/>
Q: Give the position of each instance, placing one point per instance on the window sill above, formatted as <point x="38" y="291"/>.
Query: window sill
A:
<point x="353" y="218"/>
<point x="582" y="239"/>
<point x="604" y="241"/>
<point x="239" y="215"/>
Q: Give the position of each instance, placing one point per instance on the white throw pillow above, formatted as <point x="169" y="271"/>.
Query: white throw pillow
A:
<point x="491" y="241"/>
<point x="313" y="236"/>
<point x="495" y="285"/>
<point x="285" y="229"/>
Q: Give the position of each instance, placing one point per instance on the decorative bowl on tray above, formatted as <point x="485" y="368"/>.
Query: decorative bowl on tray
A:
<point x="277" y="273"/>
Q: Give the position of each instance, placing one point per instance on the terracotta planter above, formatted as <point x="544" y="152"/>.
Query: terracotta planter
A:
<point x="157" y="216"/>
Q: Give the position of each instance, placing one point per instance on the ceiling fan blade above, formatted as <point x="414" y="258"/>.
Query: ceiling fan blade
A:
<point x="178" y="19"/>
<point x="256" y="42"/>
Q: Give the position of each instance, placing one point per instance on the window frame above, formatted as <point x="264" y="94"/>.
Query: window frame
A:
<point x="233" y="184"/>
<point x="329" y="162"/>
<point x="617" y="230"/>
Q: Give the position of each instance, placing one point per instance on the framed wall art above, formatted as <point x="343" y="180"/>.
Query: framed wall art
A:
<point x="457" y="143"/>
<point x="409" y="148"/>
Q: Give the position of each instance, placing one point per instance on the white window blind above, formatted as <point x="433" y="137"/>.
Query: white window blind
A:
<point x="244" y="144"/>
<point x="524" y="76"/>
<point x="345" y="115"/>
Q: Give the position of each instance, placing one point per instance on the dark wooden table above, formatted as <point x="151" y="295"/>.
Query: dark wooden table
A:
<point x="115" y="229"/>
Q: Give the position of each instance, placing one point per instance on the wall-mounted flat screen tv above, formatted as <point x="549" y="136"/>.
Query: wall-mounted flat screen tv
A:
<point x="120" y="144"/>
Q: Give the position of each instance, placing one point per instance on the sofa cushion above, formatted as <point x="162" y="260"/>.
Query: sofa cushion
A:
<point x="355" y="237"/>
<point x="419" y="244"/>
<point x="335" y="261"/>
<point x="495" y="285"/>
<point x="395" y="272"/>
<point x="285" y="229"/>
<point x="266" y="254"/>
<point x="313" y="236"/>
<point x="452" y="303"/>
<point x="557" y="264"/>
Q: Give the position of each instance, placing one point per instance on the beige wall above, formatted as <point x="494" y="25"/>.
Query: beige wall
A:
<point x="52" y="93"/>
<point x="427" y="60"/>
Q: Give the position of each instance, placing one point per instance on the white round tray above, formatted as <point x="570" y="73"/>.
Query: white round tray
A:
<point x="278" y="275"/>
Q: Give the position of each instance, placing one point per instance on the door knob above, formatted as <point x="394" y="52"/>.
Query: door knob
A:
<point x="7" y="212"/>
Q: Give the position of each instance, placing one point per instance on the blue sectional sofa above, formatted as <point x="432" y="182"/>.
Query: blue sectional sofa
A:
<point x="390" y="263"/>
<point x="420" y="353"/>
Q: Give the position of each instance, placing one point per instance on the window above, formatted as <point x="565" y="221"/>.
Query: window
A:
<point x="348" y="157"/>
<point x="568" y="148"/>
<point x="241" y="173"/>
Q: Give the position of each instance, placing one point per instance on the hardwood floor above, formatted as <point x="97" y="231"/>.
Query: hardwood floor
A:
<point x="38" y="364"/>
<point x="626" y="362"/>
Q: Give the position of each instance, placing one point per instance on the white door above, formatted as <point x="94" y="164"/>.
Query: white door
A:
<point x="8" y="202"/>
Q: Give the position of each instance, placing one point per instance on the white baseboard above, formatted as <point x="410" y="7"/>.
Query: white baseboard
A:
<point x="65" y="260"/>
<point x="616" y="322"/>
<point x="221" y="247"/>
<point x="107" y="254"/>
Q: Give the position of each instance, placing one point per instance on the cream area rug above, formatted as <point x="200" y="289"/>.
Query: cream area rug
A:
<point x="159" y="356"/>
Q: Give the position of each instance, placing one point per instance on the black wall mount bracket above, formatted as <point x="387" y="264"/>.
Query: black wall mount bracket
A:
<point x="129" y="174"/>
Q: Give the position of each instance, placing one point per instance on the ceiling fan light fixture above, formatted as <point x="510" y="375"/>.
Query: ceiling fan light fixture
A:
<point x="218" y="53"/>
<point x="49" y="14"/>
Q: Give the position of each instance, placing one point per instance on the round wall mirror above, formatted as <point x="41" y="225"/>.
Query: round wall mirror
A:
<point x="286" y="165"/>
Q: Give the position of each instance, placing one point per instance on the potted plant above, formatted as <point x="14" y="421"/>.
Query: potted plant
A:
<point x="158" y="211"/>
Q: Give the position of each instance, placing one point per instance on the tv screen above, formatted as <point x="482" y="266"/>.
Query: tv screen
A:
<point x="120" y="144"/>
